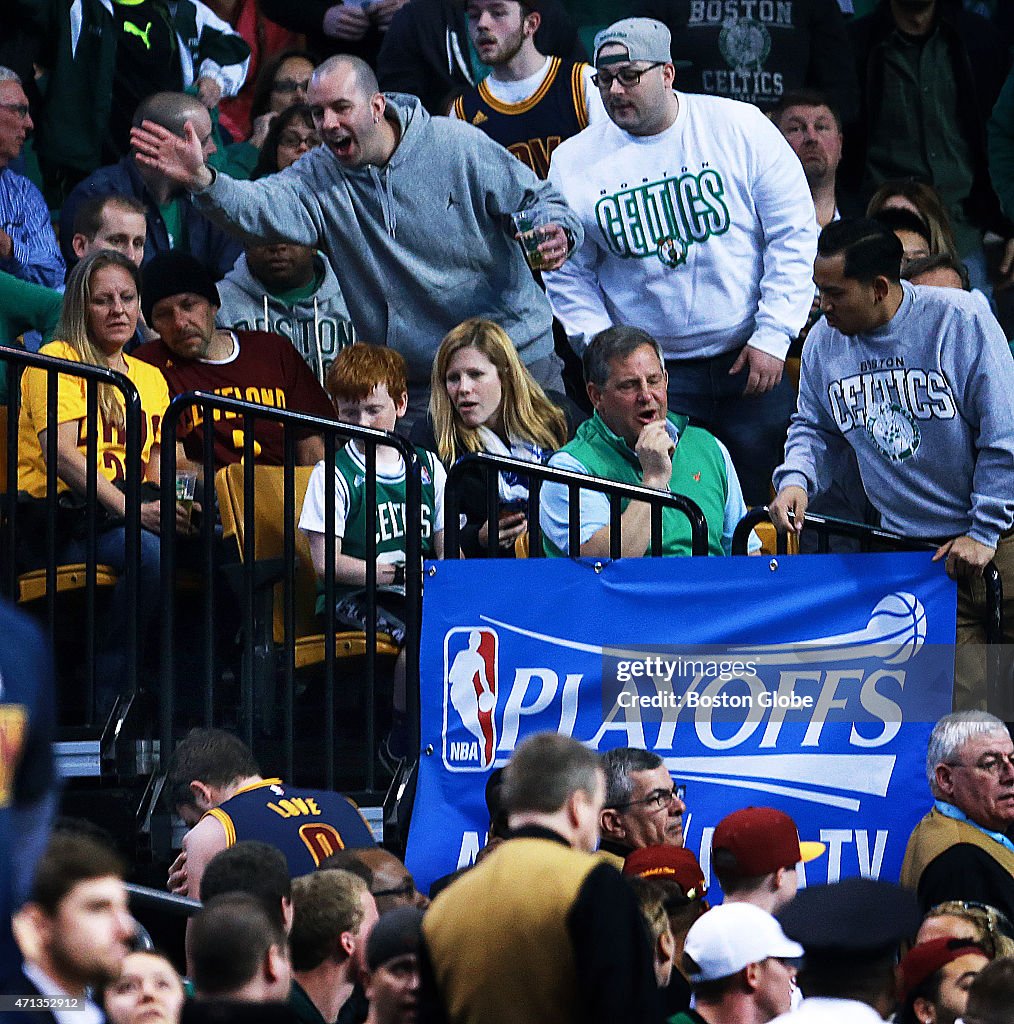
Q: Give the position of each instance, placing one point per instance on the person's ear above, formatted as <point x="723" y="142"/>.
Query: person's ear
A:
<point x="401" y="406"/>
<point x="665" y="948"/>
<point x="532" y="22"/>
<point x="944" y="775"/>
<point x="611" y="824"/>
<point x="79" y="243"/>
<point x="924" y="1010"/>
<point x="202" y="795"/>
<point x="881" y="288"/>
<point x="275" y="964"/>
<point x="594" y="394"/>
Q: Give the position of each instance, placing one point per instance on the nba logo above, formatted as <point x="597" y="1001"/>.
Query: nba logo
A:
<point x="471" y="688"/>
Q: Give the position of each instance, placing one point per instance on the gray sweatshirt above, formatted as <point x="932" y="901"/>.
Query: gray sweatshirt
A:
<point x="419" y="244"/>
<point x="318" y="326"/>
<point x="927" y="403"/>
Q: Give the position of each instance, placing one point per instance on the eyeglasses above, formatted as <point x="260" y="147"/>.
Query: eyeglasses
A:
<point x="291" y="139"/>
<point x="992" y="764"/>
<point x="290" y="85"/>
<point x="655" y="800"/>
<point x="406" y="890"/>
<point x="19" y="110"/>
<point x="627" y="77"/>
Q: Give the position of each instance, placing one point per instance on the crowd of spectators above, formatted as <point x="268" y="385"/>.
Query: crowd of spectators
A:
<point x="735" y="210"/>
<point x="586" y="906"/>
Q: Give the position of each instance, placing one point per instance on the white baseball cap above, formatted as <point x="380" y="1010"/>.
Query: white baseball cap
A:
<point x="727" y="938"/>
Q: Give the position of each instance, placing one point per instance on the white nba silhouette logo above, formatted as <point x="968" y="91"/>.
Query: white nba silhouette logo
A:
<point x="470" y="688"/>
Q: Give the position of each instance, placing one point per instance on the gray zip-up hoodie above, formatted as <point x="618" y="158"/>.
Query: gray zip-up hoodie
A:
<point x="420" y="244"/>
<point x="926" y="403"/>
<point x="318" y="326"/>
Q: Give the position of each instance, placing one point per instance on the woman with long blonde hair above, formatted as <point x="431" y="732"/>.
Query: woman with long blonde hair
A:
<point x="482" y="399"/>
<point x="99" y="316"/>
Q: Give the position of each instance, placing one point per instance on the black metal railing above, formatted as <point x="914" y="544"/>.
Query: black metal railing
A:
<point x="537" y="475"/>
<point x="263" y="654"/>
<point x="21" y="516"/>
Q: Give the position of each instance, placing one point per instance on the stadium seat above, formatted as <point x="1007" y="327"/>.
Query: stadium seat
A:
<point x="269" y="525"/>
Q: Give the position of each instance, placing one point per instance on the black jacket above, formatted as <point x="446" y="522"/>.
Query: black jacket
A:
<point x="425" y="51"/>
<point x="980" y="66"/>
<point x="812" y="52"/>
<point x="206" y="242"/>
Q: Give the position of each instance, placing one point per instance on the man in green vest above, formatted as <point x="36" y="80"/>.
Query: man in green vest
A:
<point x="632" y="438"/>
<point x="960" y="850"/>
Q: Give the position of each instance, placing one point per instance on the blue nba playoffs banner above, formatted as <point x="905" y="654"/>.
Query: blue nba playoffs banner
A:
<point x="807" y="683"/>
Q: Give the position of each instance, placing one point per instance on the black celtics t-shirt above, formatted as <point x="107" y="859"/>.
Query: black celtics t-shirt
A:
<point x="146" y="62"/>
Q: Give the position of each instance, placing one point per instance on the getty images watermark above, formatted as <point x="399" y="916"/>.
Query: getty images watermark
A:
<point x="778" y="682"/>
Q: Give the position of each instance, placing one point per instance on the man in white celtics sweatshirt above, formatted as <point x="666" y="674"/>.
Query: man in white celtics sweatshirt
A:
<point x="699" y="229"/>
<point x="920" y="383"/>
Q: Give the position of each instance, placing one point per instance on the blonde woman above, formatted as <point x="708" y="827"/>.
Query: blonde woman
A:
<point x="482" y="399"/>
<point x="99" y="316"/>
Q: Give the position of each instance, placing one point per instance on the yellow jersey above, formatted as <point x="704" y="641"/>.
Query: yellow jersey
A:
<point x="71" y="405"/>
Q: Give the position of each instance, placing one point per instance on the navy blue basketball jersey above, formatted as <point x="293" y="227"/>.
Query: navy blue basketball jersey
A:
<point x="307" y="825"/>
<point x="533" y="128"/>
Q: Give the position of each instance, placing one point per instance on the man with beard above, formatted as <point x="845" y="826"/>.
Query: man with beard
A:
<point x="180" y="303"/>
<point x="930" y="73"/>
<point x="699" y="229"/>
<point x="529" y="102"/>
<point x="79" y="926"/>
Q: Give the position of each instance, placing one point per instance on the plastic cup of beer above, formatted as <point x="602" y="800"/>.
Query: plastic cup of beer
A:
<point x="186" y="488"/>
<point x="532" y="228"/>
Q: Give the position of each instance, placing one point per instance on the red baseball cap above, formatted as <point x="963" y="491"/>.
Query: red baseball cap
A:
<point x="924" y="960"/>
<point x="671" y="862"/>
<point x="762" y="840"/>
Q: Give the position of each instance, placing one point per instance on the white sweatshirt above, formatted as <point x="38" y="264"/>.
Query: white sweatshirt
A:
<point x="703" y="235"/>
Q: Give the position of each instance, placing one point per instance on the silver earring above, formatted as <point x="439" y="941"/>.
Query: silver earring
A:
<point x="376" y="119"/>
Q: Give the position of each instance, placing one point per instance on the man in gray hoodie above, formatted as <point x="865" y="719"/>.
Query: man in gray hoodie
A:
<point x="919" y="381"/>
<point x="413" y="213"/>
<point x="289" y="290"/>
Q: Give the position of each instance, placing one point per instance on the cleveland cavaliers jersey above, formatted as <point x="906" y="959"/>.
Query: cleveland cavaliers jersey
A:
<point x="307" y="825"/>
<point x="533" y="128"/>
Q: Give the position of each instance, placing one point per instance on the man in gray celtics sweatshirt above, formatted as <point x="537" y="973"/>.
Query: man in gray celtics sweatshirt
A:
<point x="413" y="213"/>
<point x="289" y="290"/>
<point x="920" y="382"/>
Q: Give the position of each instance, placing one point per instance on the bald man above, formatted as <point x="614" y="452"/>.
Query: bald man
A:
<point x="171" y="219"/>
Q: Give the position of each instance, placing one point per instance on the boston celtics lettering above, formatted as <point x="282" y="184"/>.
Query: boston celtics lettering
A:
<point x="889" y="403"/>
<point x="664" y="218"/>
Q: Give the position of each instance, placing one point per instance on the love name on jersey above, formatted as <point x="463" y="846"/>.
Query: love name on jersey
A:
<point x="924" y="393"/>
<point x="295" y="807"/>
<point x="646" y="220"/>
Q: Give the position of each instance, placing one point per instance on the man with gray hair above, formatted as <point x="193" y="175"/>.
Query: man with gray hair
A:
<point x="632" y="438"/>
<point x="541" y="926"/>
<point x="171" y="220"/>
<point x="960" y="850"/>
<point x="643" y="806"/>
<point x="28" y="247"/>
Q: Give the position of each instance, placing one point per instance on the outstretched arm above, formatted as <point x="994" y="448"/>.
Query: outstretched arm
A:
<point x="180" y="159"/>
